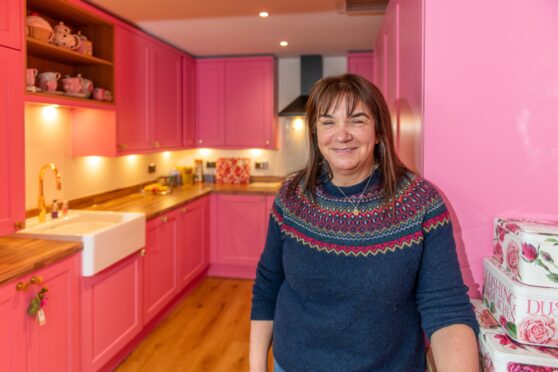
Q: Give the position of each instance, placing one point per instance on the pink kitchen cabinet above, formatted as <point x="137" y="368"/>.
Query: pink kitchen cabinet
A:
<point x="11" y="23"/>
<point x="111" y="314"/>
<point x="361" y="63"/>
<point x="210" y="104"/>
<point x="188" y="102"/>
<point x="13" y="304"/>
<point x="166" y="96"/>
<point x="249" y="102"/>
<point x="193" y="240"/>
<point x="240" y="226"/>
<point x="236" y="102"/>
<point x="133" y="85"/>
<point x="160" y="264"/>
<point x="12" y="154"/>
<point x="55" y="345"/>
<point x="149" y="86"/>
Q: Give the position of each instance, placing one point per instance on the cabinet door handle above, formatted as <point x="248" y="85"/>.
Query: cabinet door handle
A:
<point x="164" y="219"/>
<point x="142" y="252"/>
<point x="156" y="144"/>
<point x="22" y="287"/>
<point x="267" y="142"/>
<point x="122" y="147"/>
<point x="200" y="141"/>
<point x="36" y="280"/>
<point x="183" y="209"/>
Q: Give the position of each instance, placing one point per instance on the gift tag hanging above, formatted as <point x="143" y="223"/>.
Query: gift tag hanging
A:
<point x="35" y="308"/>
<point x="41" y="318"/>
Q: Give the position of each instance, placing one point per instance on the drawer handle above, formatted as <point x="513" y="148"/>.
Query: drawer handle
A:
<point x="22" y="287"/>
<point x="164" y="219"/>
<point x="156" y="144"/>
<point x="267" y="142"/>
<point x="142" y="252"/>
<point x="122" y="147"/>
<point x="36" y="280"/>
<point x="183" y="209"/>
<point x="200" y="141"/>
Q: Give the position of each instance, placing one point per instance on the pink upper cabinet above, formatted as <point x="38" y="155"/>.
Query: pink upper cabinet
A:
<point x="188" y="102"/>
<point x="12" y="154"/>
<point x="132" y="83"/>
<point x="236" y="102"/>
<point x="166" y="100"/>
<point x="210" y="107"/>
<point x="11" y="23"/>
<point x="249" y="95"/>
<point x="361" y="63"/>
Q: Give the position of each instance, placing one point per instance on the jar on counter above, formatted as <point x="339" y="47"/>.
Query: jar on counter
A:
<point x="198" y="171"/>
<point x="209" y="175"/>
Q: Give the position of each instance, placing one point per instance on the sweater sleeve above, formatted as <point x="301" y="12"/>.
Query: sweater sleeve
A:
<point x="269" y="274"/>
<point x="441" y="295"/>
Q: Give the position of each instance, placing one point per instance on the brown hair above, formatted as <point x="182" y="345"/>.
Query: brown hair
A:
<point x="325" y="94"/>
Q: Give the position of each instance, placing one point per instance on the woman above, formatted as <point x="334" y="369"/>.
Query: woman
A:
<point x="360" y="257"/>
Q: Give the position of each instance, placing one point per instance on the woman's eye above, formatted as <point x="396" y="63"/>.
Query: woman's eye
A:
<point x="358" y="122"/>
<point x="327" y="122"/>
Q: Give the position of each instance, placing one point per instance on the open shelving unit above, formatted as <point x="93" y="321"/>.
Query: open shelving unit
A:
<point x="45" y="56"/>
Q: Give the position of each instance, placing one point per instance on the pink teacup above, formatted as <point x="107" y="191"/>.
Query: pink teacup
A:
<point x="99" y="94"/>
<point x="48" y="81"/>
<point x="31" y="74"/>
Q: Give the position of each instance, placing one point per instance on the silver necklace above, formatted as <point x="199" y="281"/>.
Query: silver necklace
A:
<point x="356" y="211"/>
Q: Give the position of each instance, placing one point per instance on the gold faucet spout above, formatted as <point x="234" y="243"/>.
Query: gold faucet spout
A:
<point x="41" y="202"/>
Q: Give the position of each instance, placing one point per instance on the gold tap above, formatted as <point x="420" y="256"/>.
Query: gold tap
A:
<point x="42" y="205"/>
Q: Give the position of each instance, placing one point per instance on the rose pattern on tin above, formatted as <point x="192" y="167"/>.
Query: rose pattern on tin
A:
<point x="527" y="249"/>
<point x="518" y="367"/>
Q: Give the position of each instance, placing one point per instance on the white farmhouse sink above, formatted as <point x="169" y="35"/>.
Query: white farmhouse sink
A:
<point x="107" y="237"/>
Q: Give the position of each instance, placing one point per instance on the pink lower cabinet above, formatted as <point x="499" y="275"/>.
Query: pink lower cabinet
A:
<point x="54" y="346"/>
<point x="111" y="311"/>
<point x="13" y="306"/>
<point x="239" y="225"/>
<point x="160" y="264"/>
<point x="26" y="345"/>
<point x="193" y="252"/>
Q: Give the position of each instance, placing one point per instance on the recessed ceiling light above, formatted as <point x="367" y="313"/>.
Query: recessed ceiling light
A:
<point x="283" y="43"/>
<point x="264" y="14"/>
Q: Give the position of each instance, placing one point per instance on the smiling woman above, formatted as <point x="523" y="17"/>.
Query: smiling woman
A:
<point x="360" y="258"/>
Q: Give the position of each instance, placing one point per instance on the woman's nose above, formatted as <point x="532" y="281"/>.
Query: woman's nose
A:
<point x="343" y="134"/>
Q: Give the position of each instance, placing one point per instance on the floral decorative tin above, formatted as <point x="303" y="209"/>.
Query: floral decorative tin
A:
<point x="528" y="314"/>
<point x="528" y="249"/>
<point x="233" y="171"/>
<point x="499" y="353"/>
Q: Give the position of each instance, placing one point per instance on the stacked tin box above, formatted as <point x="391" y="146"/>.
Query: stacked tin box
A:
<point x="521" y="292"/>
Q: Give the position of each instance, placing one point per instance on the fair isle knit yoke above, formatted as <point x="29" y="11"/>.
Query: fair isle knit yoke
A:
<point x="354" y="292"/>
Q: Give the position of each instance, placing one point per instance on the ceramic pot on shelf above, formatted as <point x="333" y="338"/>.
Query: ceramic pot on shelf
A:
<point x="72" y="85"/>
<point x="39" y="28"/>
<point x="30" y="76"/>
<point x="63" y="37"/>
<point x="48" y="81"/>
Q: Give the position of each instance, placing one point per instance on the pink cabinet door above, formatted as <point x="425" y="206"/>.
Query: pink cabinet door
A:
<point x="55" y="345"/>
<point x="188" y="102"/>
<point x="12" y="187"/>
<point x="13" y="306"/>
<point x="241" y="224"/>
<point x="11" y="23"/>
<point x="193" y="242"/>
<point x="249" y="102"/>
<point x="166" y="97"/>
<point x="132" y="53"/>
<point x="111" y="311"/>
<point x="210" y="115"/>
<point x="361" y="64"/>
<point x="160" y="269"/>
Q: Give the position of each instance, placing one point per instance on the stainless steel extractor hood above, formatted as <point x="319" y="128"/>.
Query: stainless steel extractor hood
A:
<point x="311" y="70"/>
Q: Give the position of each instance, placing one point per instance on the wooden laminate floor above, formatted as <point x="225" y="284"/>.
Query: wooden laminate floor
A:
<point x="207" y="332"/>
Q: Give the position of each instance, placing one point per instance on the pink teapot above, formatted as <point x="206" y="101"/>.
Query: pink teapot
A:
<point x="64" y="38"/>
<point x="72" y="85"/>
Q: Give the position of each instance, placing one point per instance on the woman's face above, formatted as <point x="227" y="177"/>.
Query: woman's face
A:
<point x="347" y="142"/>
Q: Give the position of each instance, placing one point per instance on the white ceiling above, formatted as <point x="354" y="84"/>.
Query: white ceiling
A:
<point x="233" y="27"/>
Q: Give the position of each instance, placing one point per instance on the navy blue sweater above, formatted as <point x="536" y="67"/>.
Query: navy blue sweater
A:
<point x="353" y="292"/>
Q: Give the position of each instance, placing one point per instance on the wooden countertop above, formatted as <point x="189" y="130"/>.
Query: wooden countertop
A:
<point x="21" y="256"/>
<point x="155" y="205"/>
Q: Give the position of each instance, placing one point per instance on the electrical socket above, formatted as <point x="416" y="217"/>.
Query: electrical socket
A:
<point x="151" y="168"/>
<point x="261" y="165"/>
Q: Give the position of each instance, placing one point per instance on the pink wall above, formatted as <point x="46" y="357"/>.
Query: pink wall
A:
<point x="490" y="114"/>
<point x="473" y="89"/>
